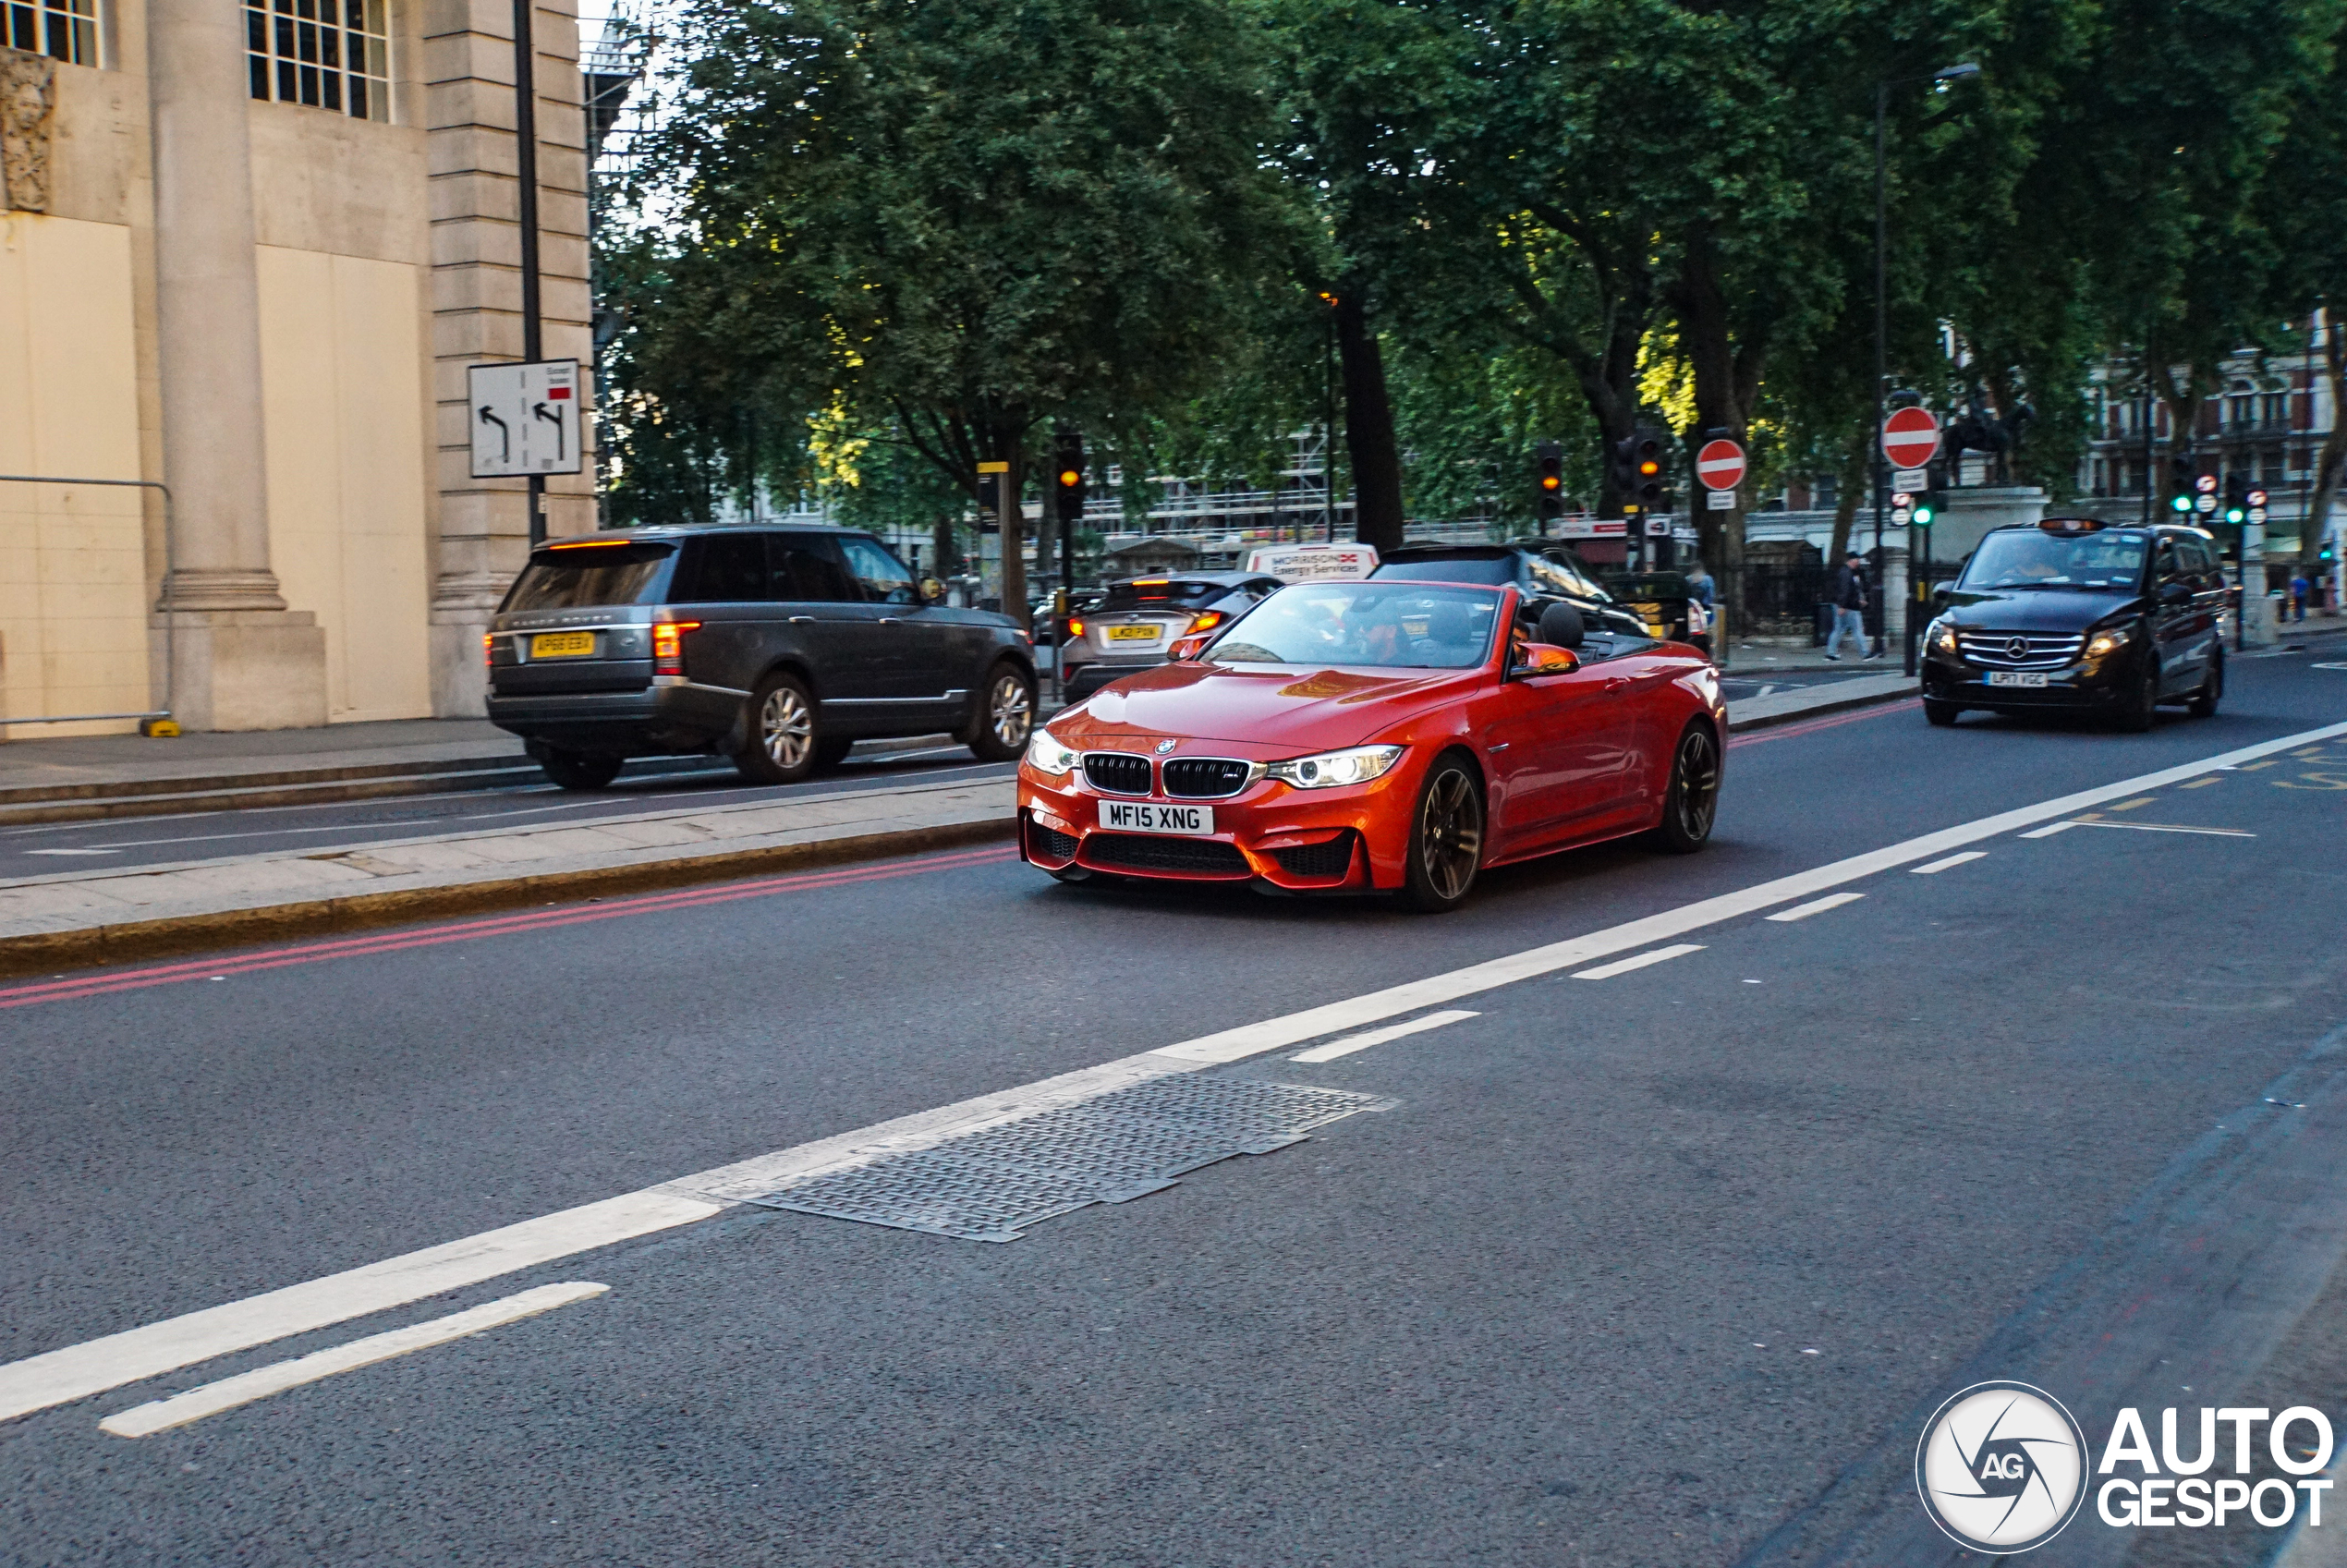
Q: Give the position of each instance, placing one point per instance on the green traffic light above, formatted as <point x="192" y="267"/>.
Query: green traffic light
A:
<point x="1923" y="516"/>
<point x="2234" y="513"/>
<point x="2182" y="503"/>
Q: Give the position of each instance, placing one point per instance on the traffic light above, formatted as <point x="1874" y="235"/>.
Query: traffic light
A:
<point x="2236" y="509"/>
<point x="1551" y="495"/>
<point x="1637" y="472"/>
<point x="1922" y="514"/>
<point x="1067" y="468"/>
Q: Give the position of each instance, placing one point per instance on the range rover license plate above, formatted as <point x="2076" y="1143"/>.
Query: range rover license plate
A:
<point x="1148" y="817"/>
<point x="2015" y="677"/>
<point x="562" y="645"/>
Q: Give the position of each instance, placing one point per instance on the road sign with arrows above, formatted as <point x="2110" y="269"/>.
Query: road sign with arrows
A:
<point x="524" y="419"/>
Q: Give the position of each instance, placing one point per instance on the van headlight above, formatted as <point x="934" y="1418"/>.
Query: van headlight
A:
<point x="2111" y="639"/>
<point x="1331" y="769"/>
<point x="1048" y="755"/>
<point x="1940" y="635"/>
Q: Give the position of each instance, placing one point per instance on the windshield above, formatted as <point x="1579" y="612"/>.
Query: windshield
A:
<point x="2033" y="558"/>
<point x="1162" y="595"/>
<point x="1382" y="625"/>
<point x="586" y="576"/>
<point x="1493" y="569"/>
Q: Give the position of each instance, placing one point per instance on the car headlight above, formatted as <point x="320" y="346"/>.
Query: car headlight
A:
<point x="1942" y="636"/>
<point x="1048" y="755"/>
<point x="2109" y="640"/>
<point x="1331" y="769"/>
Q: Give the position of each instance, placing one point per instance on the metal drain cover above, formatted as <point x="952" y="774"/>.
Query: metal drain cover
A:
<point x="989" y="1185"/>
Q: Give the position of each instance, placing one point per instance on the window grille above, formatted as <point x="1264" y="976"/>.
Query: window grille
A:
<point x="65" y="28"/>
<point x="328" y="53"/>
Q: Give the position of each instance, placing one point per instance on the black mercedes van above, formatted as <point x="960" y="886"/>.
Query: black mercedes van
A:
<point x="779" y="648"/>
<point x="2076" y="613"/>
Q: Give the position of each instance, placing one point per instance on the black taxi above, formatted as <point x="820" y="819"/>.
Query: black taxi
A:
<point x="2079" y="615"/>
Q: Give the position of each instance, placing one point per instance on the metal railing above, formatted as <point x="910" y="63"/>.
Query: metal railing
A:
<point x="170" y="607"/>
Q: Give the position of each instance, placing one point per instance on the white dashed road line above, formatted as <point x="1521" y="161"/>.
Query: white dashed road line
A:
<point x="1352" y="1043"/>
<point x="1939" y="866"/>
<point x="161" y="1415"/>
<point x="78" y="1371"/>
<point x="2163" y="828"/>
<point x="1817" y="906"/>
<point x="1624" y="965"/>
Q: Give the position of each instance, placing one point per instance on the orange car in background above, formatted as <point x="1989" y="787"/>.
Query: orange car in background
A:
<point x="1378" y="736"/>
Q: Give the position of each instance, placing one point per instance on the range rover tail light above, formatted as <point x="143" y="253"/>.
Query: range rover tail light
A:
<point x="668" y="646"/>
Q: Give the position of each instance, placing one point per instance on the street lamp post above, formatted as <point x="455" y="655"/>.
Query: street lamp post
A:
<point x="1882" y="331"/>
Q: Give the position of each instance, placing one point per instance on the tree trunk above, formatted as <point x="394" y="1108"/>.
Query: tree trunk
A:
<point x="2183" y="427"/>
<point x="1727" y="384"/>
<point x="2328" y="467"/>
<point x="1011" y="442"/>
<point x="1850" y="483"/>
<point x="1368" y="429"/>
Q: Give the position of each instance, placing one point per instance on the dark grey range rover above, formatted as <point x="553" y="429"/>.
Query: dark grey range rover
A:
<point x="780" y="648"/>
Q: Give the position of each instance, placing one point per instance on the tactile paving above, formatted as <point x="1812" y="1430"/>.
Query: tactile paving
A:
<point x="989" y="1185"/>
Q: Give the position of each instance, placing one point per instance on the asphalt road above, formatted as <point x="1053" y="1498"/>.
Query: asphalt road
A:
<point x="1654" y="1269"/>
<point x="41" y="849"/>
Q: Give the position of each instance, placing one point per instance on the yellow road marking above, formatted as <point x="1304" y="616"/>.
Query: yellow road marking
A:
<point x="2253" y="767"/>
<point x="2131" y="805"/>
<point x="2202" y="784"/>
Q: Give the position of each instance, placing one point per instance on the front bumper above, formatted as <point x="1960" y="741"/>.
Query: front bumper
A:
<point x="1349" y="839"/>
<point x="659" y="720"/>
<point x="2092" y="685"/>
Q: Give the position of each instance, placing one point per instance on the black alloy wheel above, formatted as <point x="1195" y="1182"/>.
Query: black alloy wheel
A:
<point x="1692" y="804"/>
<point x="579" y="769"/>
<point x="1938" y="712"/>
<point x="1446" y="837"/>
<point x="783" y="740"/>
<point x="1004" y="715"/>
<point x="2212" y="687"/>
<point x="2141" y="708"/>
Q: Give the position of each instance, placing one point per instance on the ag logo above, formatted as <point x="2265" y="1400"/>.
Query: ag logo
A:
<point x="2001" y="1467"/>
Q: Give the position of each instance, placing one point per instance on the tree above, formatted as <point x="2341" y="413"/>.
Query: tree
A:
<point x="944" y="222"/>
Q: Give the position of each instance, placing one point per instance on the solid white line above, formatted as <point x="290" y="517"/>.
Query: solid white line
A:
<point x="2048" y="833"/>
<point x="1352" y="1043"/>
<point x="1624" y="965"/>
<point x="161" y="1415"/>
<point x="1939" y="866"/>
<point x="1818" y="906"/>
<point x="78" y="1371"/>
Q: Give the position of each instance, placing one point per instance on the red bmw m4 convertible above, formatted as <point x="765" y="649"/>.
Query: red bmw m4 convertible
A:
<point x="1378" y="736"/>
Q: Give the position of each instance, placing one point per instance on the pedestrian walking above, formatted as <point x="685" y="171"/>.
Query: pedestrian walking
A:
<point x="1699" y="586"/>
<point x="2300" y="588"/>
<point x="1849" y="606"/>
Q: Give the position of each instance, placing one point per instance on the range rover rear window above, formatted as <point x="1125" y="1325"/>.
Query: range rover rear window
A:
<point x="590" y="575"/>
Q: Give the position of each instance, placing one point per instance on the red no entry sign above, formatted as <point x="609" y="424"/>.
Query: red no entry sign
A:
<point x="1720" y="465"/>
<point x="1910" y="437"/>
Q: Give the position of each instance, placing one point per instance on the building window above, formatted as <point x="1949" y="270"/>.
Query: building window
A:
<point x="328" y="53"/>
<point x="66" y="29"/>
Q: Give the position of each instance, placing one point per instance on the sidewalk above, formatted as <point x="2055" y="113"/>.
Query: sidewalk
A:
<point x="107" y="916"/>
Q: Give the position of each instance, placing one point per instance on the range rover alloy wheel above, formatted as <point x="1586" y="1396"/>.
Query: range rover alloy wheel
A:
<point x="1005" y="715"/>
<point x="783" y="740"/>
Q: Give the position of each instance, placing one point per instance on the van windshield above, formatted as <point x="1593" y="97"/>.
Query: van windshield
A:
<point x="586" y="576"/>
<point x="2034" y="558"/>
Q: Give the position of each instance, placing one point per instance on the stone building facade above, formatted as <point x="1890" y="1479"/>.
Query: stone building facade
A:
<point x="247" y="250"/>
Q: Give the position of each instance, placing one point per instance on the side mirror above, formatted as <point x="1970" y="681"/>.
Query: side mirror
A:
<point x="931" y="591"/>
<point x="1545" y="659"/>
